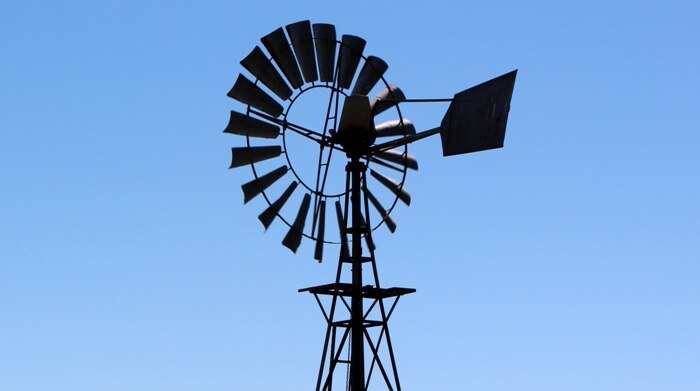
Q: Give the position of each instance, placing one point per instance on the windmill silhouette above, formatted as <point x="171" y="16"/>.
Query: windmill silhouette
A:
<point x="310" y="59"/>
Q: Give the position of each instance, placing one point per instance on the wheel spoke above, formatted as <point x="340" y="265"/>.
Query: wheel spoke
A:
<point x="321" y="139"/>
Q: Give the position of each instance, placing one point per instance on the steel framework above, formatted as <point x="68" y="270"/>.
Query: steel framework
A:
<point x="341" y="331"/>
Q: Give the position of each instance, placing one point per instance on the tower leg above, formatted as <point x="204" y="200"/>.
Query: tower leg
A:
<point x="357" y="361"/>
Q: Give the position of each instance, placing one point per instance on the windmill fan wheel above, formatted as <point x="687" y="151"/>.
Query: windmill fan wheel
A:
<point x="304" y="96"/>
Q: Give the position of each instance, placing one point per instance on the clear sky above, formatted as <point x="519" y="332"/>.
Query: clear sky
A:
<point x="569" y="260"/>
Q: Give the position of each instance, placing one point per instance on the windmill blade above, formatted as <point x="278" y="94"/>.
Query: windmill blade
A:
<point x="398" y="157"/>
<point x="248" y="155"/>
<point x="325" y="41"/>
<point x="258" y="185"/>
<point x="371" y="72"/>
<point x="388" y="220"/>
<point x="293" y="238"/>
<point x="259" y="66"/>
<point x="476" y="119"/>
<point x="244" y="125"/>
<point x="344" y="250"/>
<point x="387" y="164"/>
<point x="380" y="104"/>
<point x="395" y="127"/>
<point x="246" y="92"/>
<point x="303" y="43"/>
<point x="368" y="235"/>
<point x="269" y="214"/>
<point x="277" y="45"/>
<point x="349" y="57"/>
<point x="393" y="186"/>
<point x="318" y="251"/>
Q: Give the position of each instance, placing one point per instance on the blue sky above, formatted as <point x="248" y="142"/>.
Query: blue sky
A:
<point x="569" y="260"/>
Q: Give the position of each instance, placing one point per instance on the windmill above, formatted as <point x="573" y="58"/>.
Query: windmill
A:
<point x="346" y="168"/>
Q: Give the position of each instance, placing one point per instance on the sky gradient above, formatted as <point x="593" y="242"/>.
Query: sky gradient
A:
<point x="569" y="260"/>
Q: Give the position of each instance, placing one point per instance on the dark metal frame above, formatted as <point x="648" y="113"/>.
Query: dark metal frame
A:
<point x="359" y="322"/>
<point x="475" y="121"/>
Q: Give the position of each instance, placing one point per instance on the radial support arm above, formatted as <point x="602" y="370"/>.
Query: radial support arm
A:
<point x="404" y="140"/>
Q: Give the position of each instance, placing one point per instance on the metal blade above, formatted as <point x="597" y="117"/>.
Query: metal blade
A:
<point x="293" y="238"/>
<point x="387" y="164"/>
<point x="246" y="92"/>
<point x="393" y="186"/>
<point x="248" y="155"/>
<point x="303" y="43"/>
<point x="244" y="125"/>
<point x="325" y="41"/>
<point x="476" y="119"/>
<point x="348" y="59"/>
<point x="277" y="45"/>
<point x="382" y="212"/>
<point x="318" y="253"/>
<point x="344" y="250"/>
<point x="368" y="235"/>
<point x="398" y="157"/>
<point x="371" y="72"/>
<point x="258" y="185"/>
<point x="379" y="104"/>
<point x="269" y="214"/>
<point x="257" y="64"/>
<point x="395" y="128"/>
